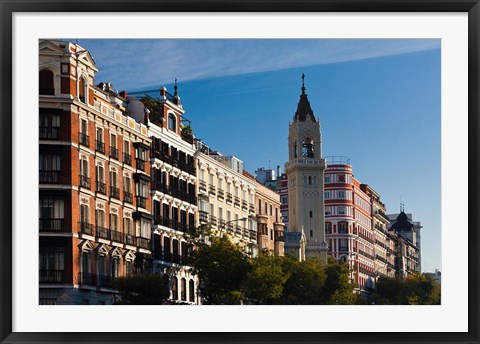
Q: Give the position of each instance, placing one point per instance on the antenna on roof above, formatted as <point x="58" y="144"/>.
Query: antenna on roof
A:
<point x="175" y="88"/>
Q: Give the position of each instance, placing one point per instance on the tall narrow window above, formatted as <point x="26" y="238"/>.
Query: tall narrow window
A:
<point x="51" y="214"/>
<point x="115" y="267"/>
<point x="175" y="288"/>
<point x="46" y="82"/>
<point x="49" y="126"/>
<point x="82" y="90"/>
<point x="172" y="122"/>
<point x="113" y="146"/>
<point x="184" y="289"/>
<point x="49" y="167"/>
<point x="191" y="290"/>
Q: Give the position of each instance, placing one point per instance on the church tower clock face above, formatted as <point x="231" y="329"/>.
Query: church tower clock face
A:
<point x="305" y="172"/>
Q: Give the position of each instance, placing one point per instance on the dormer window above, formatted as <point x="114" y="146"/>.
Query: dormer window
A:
<point x="46" y="82"/>
<point x="172" y="122"/>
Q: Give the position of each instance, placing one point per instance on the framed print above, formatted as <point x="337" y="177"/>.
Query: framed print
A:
<point x="144" y="193"/>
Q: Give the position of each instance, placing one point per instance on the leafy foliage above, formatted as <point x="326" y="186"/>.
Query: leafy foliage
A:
<point x="142" y="289"/>
<point x="416" y="289"/>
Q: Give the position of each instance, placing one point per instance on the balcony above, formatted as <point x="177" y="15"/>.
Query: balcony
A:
<point x="220" y="194"/>
<point x="101" y="187"/>
<point x="236" y="201"/>
<point x="140" y="164"/>
<point x="84" y="181"/>
<point x="229" y="227"/>
<point x="213" y="220"/>
<point x="182" y="164"/>
<point x="244" y="205"/>
<point x="202" y="186"/>
<point x="170" y="257"/>
<point x="48" y="133"/>
<point x="102" y="232"/>
<point x="113" y="152"/>
<point x="92" y="279"/>
<point x="251" y="208"/>
<point x="141" y="202"/>
<point x="100" y="146"/>
<point x="83" y="139"/>
<point x="114" y="192"/>
<point x="127" y="159"/>
<point x="116" y="236"/>
<point x="130" y="239"/>
<point x="143" y="243"/>
<point x="203" y="216"/>
<point x="382" y="214"/>
<point x="238" y="230"/>
<point x="50" y="225"/>
<point x="51" y="276"/>
<point x="47" y="91"/>
<point x="212" y="190"/>
<point x="86" y="228"/>
<point x="127" y="197"/>
<point x="229" y="198"/>
<point x="49" y="177"/>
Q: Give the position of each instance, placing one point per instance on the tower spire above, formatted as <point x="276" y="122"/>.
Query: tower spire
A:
<point x="175" y="89"/>
<point x="303" y="83"/>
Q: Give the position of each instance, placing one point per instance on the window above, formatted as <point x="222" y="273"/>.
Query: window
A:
<point x="127" y="226"/>
<point x="191" y="291"/>
<point x="49" y="167"/>
<point x="52" y="265"/>
<point x="309" y="180"/>
<point x="341" y="194"/>
<point x="101" y="187"/>
<point x="284" y="200"/>
<point x="83" y="137"/>
<point x="172" y="122"/>
<point x="51" y="214"/>
<point x="49" y="125"/>
<point x="114" y="222"/>
<point x="100" y="145"/>
<point x="311" y="233"/>
<point x="328" y="210"/>
<point x="327" y="194"/>
<point x="127" y="159"/>
<point x="100" y="218"/>
<point x="311" y="214"/>
<point x="342" y="227"/>
<point x="84" y="213"/>
<point x="327" y="179"/>
<point x="184" y="289"/>
<point x="82" y="90"/>
<point x="328" y="228"/>
<point x="341" y="210"/>
<point x="115" y="267"/>
<point x="113" y="146"/>
<point x="145" y="229"/>
<point x="46" y="82"/>
<point x="175" y="288"/>
<point x="102" y="265"/>
<point x="307" y="148"/>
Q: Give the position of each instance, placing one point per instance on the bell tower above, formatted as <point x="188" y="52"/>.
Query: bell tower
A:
<point x="305" y="172"/>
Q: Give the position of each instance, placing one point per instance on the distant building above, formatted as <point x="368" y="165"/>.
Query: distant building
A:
<point x="407" y="259"/>
<point x="305" y="170"/>
<point x="437" y="276"/>
<point x="269" y="219"/>
<point x="226" y="197"/>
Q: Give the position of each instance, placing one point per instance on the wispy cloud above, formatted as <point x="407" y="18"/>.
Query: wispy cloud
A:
<point x="133" y="64"/>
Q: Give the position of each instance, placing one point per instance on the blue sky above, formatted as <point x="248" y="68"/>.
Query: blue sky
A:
<point x="378" y="103"/>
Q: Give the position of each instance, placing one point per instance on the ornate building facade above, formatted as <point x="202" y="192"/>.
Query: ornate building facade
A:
<point x="94" y="222"/>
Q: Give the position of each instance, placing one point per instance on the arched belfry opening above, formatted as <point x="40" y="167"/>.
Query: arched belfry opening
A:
<point x="307" y="148"/>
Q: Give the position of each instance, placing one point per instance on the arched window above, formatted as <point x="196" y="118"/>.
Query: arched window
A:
<point x="295" y="149"/>
<point x="46" y="82"/>
<point x="172" y="122"/>
<point x="175" y="288"/>
<point x="309" y="180"/>
<point x="82" y="90"/>
<point x="184" y="289"/>
<point x="191" y="291"/>
<point x="115" y="267"/>
<point x="307" y="148"/>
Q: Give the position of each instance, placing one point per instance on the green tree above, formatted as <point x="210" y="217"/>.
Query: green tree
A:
<point x="142" y="289"/>
<point x="266" y="278"/>
<point x="222" y="268"/>
<point x="416" y="289"/>
<point x="304" y="285"/>
<point x="339" y="285"/>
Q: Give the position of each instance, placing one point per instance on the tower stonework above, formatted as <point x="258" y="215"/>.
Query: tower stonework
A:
<point x="305" y="173"/>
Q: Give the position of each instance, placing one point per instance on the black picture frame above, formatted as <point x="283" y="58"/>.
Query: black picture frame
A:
<point x="9" y="7"/>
